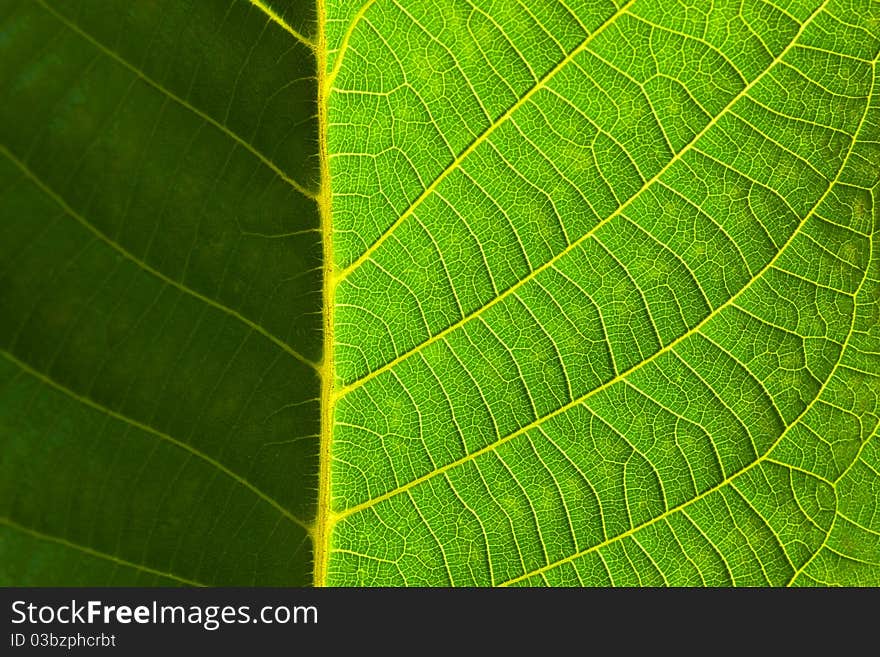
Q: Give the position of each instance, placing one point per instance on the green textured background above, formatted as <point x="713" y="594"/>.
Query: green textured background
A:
<point x="605" y="292"/>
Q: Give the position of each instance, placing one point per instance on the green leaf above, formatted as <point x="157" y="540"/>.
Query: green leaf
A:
<point x="160" y="296"/>
<point x="567" y="293"/>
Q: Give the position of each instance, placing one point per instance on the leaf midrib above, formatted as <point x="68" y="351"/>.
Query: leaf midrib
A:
<point x="323" y="525"/>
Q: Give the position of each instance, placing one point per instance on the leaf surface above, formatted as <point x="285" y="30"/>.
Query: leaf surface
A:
<point x="511" y="293"/>
<point x="160" y="297"/>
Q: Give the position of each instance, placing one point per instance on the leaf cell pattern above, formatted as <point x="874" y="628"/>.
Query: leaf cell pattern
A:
<point x="606" y="299"/>
<point x="603" y="302"/>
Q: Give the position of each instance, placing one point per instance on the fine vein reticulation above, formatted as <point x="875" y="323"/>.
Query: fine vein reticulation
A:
<point x="577" y="292"/>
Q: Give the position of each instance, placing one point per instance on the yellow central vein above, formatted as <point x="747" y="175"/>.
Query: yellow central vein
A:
<point x="579" y="400"/>
<point x="323" y="521"/>
<point x="456" y="163"/>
